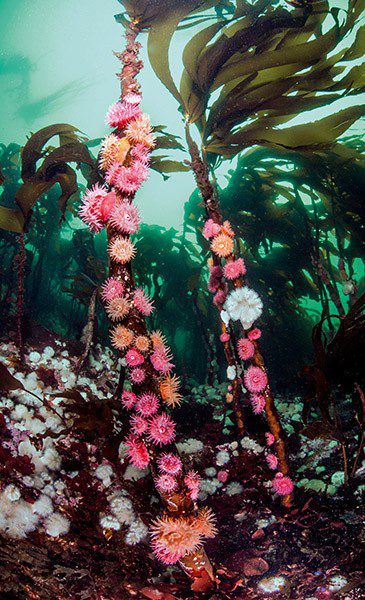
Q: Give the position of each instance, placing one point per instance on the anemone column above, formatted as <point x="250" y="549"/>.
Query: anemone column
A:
<point x="236" y="302"/>
<point x="178" y="535"/>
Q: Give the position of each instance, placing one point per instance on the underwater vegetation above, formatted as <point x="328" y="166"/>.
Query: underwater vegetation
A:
<point x="191" y="403"/>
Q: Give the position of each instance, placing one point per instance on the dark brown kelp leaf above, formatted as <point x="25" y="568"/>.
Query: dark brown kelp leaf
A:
<point x="32" y="150"/>
<point x="7" y="381"/>
<point x="162" y="165"/>
<point x="11" y="219"/>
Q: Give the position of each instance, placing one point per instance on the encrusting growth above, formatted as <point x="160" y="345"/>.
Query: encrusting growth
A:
<point x="179" y="534"/>
<point x="237" y="302"/>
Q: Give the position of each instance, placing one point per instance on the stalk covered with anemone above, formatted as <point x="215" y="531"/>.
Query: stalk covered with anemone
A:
<point x="238" y="304"/>
<point x="151" y="390"/>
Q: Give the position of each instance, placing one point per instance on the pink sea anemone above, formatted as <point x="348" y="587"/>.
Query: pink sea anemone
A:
<point x="128" y="399"/>
<point x="139" y="425"/>
<point x="91" y="211"/>
<point x="255" y="379"/>
<point x="137" y="375"/>
<point x="272" y="461"/>
<point x="211" y="229"/>
<point x="282" y="484"/>
<point x="269" y="439"/>
<point x="130" y="179"/>
<point x="222" y="476"/>
<point x="147" y="404"/>
<point x="161" y="359"/>
<point x="169" y="463"/>
<point x="234" y="269"/>
<point x="224" y="337"/>
<point x="113" y="173"/>
<point x="134" y="358"/>
<point x="142" y="302"/>
<point x="219" y="297"/>
<point x="245" y="348"/>
<point x="121" y="113"/>
<point x="222" y="245"/>
<point x="125" y="217"/>
<point x="192" y="481"/>
<point x="166" y="483"/>
<point x="215" y="278"/>
<point x="161" y="429"/>
<point x="254" y="334"/>
<point x="111" y="288"/>
<point x="133" y="98"/>
<point x="141" y="153"/>
<point x="122" y="250"/>
<point x="137" y="452"/>
<point x="257" y="403"/>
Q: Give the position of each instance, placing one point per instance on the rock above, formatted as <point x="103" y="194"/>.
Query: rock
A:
<point x="255" y="566"/>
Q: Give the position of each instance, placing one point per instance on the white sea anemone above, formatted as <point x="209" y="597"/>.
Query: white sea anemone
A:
<point x="245" y="305"/>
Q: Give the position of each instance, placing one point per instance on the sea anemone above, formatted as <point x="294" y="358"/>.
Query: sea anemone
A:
<point x="139" y="131"/>
<point x="211" y="229"/>
<point x="113" y="150"/>
<point x="141" y="153"/>
<point x="192" y="481"/>
<point x="254" y="334"/>
<point x="224" y="337"/>
<point x="243" y="304"/>
<point x="269" y="439"/>
<point x="142" y="302"/>
<point x="122" y="250"/>
<point x="142" y="343"/>
<point x="272" y="461"/>
<point x="245" y="349"/>
<point x="219" y="297"/>
<point x="222" y="245"/>
<point x="258" y="403"/>
<point x="121" y="113"/>
<point x="161" y="359"/>
<point x="227" y="229"/>
<point x="111" y="288"/>
<point x="90" y="211"/>
<point x="134" y="358"/>
<point x="255" y="379"/>
<point x="147" y="404"/>
<point x="118" y="308"/>
<point x="161" y="429"/>
<point x="166" y="483"/>
<point x="125" y="217"/>
<point x="169" y="463"/>
<point x="137" y="375"/>
<point x="121" y="337"/>
<point x="158" y="339"/>
<point x="130" y="179"/>
<point x="174" y="538"/>
<point x="137" y="452"/>
<point x="215" y="278"/>
<point x="113" y="173"/>
<point x="128" y="399"/>
<point x="206" y="523"/>
<point x="234" y="269"/>
<point x="132" y="98"/>
<point x="139" y="425"/>
<point x="169" y="388"/>
<point x="282" y="484"/>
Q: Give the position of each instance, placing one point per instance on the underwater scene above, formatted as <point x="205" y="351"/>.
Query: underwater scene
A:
<point x="182" y="329"/>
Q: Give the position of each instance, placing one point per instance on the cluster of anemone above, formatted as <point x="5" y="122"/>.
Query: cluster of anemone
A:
<point x="244" y="305"/>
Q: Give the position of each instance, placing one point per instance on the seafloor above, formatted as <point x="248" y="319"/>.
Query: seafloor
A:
<point x="310" y="552"/>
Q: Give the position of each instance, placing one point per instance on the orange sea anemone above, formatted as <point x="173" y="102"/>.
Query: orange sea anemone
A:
<point x="113" y="149"/>
<point x="121" y="337"/>
<point x="158" y="339"/>
<point x="122" y="250"/>
<point x="142" y="343"/>
<point x="169" y="388"/>
<point x="222" y="245"/>
<point x="139" y="131"/>
<point x="118" y="308"/>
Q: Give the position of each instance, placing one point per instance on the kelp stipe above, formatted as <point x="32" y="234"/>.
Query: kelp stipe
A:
<point x="179" y="534"/>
